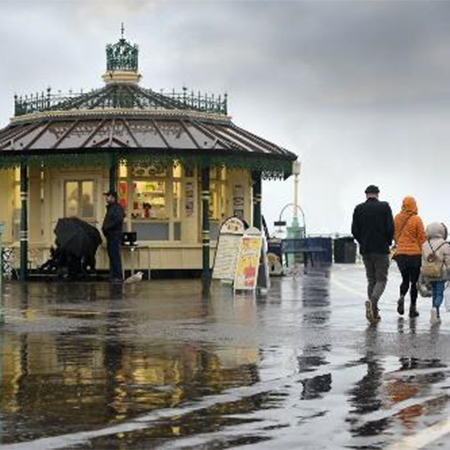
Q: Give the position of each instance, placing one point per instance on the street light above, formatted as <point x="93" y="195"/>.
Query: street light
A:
<point x="295" y="223"/>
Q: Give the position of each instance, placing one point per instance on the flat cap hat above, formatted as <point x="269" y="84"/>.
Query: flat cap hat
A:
<point x="372" y="189"/>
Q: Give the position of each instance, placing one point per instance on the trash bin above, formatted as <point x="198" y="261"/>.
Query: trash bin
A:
<point x="345" y="250"/>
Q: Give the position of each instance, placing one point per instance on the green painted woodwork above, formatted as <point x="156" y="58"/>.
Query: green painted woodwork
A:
<point x="270" y="168"/>
<point x="206" y="246"/>
<point x="2" y="318"/>
<point x="257" y="193"/>
<point x="23" y="221"/>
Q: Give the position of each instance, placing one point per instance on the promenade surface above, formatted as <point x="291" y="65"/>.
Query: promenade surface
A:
<point x="155" y="365"/>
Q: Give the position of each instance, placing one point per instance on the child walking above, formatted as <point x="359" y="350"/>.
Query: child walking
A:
<point x="436" y="265"/>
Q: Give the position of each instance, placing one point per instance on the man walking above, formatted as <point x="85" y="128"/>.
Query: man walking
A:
<point x="112" y="229"/>
<point x="373" y="228"/>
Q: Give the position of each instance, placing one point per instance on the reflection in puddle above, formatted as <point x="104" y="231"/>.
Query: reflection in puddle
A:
<point x="155" y="364"/>
<point x="96" y="374"/>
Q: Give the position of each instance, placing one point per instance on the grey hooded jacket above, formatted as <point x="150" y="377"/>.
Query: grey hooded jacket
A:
<point x="436" y="241"/>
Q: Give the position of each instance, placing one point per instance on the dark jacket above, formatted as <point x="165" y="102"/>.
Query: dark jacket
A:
<point x="373" y="226"/>
<point x="113" y="222"/>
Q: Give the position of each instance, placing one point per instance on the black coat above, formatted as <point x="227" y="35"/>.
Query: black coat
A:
<point x="113" y="222"/>
<point x="373" y="226"/>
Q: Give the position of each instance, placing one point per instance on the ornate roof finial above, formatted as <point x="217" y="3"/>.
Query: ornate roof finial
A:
<point x="122" y="55"/>
<point x="122" y="60"/>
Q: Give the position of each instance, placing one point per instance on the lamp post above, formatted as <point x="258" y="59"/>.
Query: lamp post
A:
<point x="295" y="230"/>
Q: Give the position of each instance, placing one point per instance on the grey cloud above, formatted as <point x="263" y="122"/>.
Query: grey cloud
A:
<point x="358" y="88"/>
<point x="340" y="53"/>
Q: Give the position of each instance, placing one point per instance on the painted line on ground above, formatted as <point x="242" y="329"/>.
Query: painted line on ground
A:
<point x="347" y="288"/>
<point x="423" y="438"/>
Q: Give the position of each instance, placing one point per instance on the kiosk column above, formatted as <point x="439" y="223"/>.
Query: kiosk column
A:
<point x="206" y="275"/>
<point x="257" y="197"/>
<point x="113" y="169"/>
<point x="23" y="221"/>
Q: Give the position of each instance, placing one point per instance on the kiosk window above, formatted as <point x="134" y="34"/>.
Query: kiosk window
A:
<point x="79" y="199"/>
<point x="149" y="200"/>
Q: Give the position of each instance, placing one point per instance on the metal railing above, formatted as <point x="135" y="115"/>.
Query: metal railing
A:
<point x="120" y="97"/>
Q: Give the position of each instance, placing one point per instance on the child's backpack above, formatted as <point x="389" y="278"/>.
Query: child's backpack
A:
<point x="433" y="267"/>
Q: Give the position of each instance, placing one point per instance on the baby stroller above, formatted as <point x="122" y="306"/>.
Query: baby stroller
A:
<point x="76" y="244"/>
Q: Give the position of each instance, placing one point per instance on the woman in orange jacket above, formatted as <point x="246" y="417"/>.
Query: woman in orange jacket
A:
<point x="409" y="235"/>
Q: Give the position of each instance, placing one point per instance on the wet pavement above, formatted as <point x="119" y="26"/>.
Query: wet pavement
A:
<point x="154" y="365"/>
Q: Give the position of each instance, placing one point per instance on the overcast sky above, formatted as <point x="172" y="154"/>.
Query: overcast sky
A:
<point x="360" y="90"/>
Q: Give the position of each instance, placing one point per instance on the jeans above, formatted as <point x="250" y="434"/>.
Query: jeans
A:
<point x="113" y="247"/>
<point x="438" y="293"/>
<point x="409" y="267"/>
<point x="377" y="267"/>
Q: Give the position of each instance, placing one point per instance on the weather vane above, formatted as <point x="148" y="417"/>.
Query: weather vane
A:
<point x="122" y="30"/>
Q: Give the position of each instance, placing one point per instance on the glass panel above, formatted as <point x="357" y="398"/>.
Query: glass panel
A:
<point x="71" y="198"/>
<point x="224" y="201"/>
<point x="149" y="200"/>
<point x="123" y="170"/>
<point x="123" y="190"/>
<point x="177" y="171"/>
<point x="17" y="204"/>
<point x="217" y="200"/>
<point x="87" y="200"/>
<point x="213" y="201"/>
<point x="16" y="213"/>
<point x="149" y="171"/>
<point x="177" y="231"/>
<point x="151" y="231"/>
<point x="176" y="199"/>
<point x="214" y="231"/>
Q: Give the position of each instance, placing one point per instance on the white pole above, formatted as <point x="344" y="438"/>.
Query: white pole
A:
<point x="296" y="171"/>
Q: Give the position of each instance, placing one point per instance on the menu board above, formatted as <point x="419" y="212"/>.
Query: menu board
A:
<point x="226" y="257"/>
<point x="246" y="275"/>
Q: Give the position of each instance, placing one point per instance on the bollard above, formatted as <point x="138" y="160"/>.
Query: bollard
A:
<point x="2" y="228"/>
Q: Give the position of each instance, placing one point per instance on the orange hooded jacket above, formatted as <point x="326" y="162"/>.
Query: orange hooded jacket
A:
<point x="409" y="233"/>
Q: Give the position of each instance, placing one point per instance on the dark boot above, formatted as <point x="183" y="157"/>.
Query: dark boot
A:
<point x="376" y="313"/>
<point x="401" y="305"/>
<point x="413" y="310"/>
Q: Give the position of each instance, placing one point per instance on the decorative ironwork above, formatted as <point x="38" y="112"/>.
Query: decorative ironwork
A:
<point x="270" y="168"/>
<point x="120" y="96"/>
<point x="122" y="55"/>
<point x="136" y="126"/>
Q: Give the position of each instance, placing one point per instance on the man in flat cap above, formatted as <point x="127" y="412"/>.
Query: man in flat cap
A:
<point x="112" y="229"/>
<point x="373" y="228"/>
